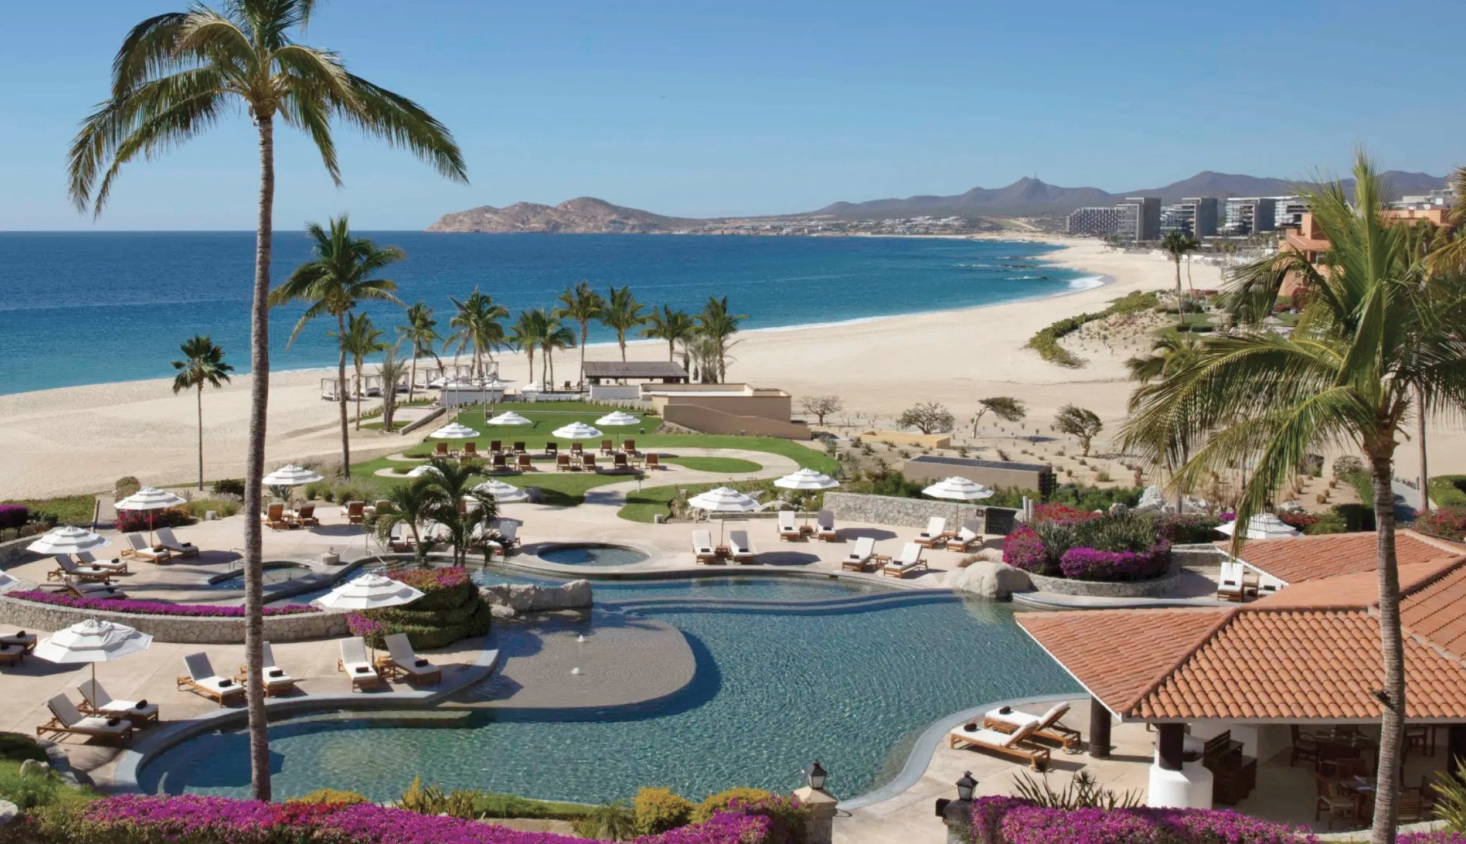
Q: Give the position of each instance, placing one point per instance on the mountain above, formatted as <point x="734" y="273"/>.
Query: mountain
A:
<point x="585" y="215"/>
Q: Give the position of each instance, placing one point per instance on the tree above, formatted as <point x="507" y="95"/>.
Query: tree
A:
<point x="1169" y="354"/>
<point x="582" y="305"/>
<point x="527" y="332"/>
<point x="719" y="324"/>
<point x="928" y="417"/>
<point x="821" y="406"/>
<point x="1005" y="408"/>
<point x="203" y="363"/>
<point x="391" y="370"/>
<point x="174" y="76"/>
<point x="413" y="503"/>
<point x="454" y="482"/>
<point x="621" y="314"/>
<point x="673" y="326"/>
<point x="339" y="278"/>
<point x="362" y="338"/>
<point x="557" y="337"/>
<point x="478" y="326"/>
<point x="1370" y="340"/>
<point x="420" y="332"/>
<point x="1178" y="244"/>
<point x="1078" y="422"/>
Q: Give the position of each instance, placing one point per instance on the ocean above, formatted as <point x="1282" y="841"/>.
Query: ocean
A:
<point x="101" y="307"/>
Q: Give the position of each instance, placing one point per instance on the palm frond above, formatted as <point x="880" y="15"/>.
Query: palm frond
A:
<point x="401" y="122"/>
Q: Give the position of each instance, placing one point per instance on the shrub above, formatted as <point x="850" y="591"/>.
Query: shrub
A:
<point x="1024" y="550"/>
<point x="18" y="748"/>
<point x="125" y="486"/>
<point x="1116" y="566"/>
<point x="1061" y="514"/>
<point x="332" y="797"/>
<point x="431" y="800"/>
<point x="225" y="507"/>
<point x="609" y="821"/>
<point x="1188" y="528"/>
<point x="1012" y="820"/>
<point x="449" y="610"/>
<point x="1446" y="522"/>
<point x="151" y="607"/>
<point x="723" y="800"/>
<point x="13" y="515"/>
<point x="1348" y="465"/>
<point x="1447" y="490"/>
<point x="229" y="486"/>
<point x="140" y="521"/>
<point x="659" y="810"/>
<point x="66" y="510"/>
<point x="1436" y="836"/>
<point x="1358" y="517"/>
<point x="1330" y="522"/>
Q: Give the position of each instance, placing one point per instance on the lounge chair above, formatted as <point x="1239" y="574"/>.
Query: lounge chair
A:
<point x="588" y="462"/>
<point x="1014" y="745"/>
<point x="508" y="540"/>
<point x="824" y="525"/>
<point x="969" y="535"/>
<point x="83" y="589"/>
<point x="470" y="450"/>
<point x="524" y="464"/>
<point x="562" y="463"/>
<point x="702" y="547"/>
<point x="1046" y="726"/>
<point x="552" y="449"/>
<point x="172" y="544"/>
<point x="139" y="549"/>
<point x="202" y="680"/>
<point x="607" y="447"/>
<point x="742" y="548"/>
<point x="26" y="642"/>
<point x="619" y="463"/>
<point x="440" y="450"/>
<point x="788" y="527"/>
<point x="87" y="558"/>
<point x="67" y="569"/>
<point x="653" y="461"/>
<point x="11" y="654"/>
<point x="496" y="446"/>
<point x="857" y="560"/>
<point x="66" y="720"/>
<point x="910" y="560"/>
<point x="577" y="449"/>
<point x="306" y="515"/>
<point x="628" y="446"/>
<point x="403" y="662"/>
<point x="356" y="665"/>
<point x="936" y="531"/>
<point x="498" y="463"/>
<point x="519" y="447"/>
<point x="274" y="517"/>
<point x="96" y="701"/>
<point x="355" y="512"/>
<point x="276" y="681"/>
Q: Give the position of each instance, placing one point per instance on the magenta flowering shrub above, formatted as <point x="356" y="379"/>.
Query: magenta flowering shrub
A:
<point x="150" y="607"/>
<point x="1013" y="820"/>
<point x="1116" y="566"/>
<point x="13" y="516"/>
<point x="141" y="521"/>
<point x="367" y="628"/>
<point x="1436" y="836"/>
<point x="1024" y="549"/>
<point x="435" y="579"/>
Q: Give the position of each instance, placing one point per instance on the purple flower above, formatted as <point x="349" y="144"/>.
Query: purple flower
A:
<point x="1116" y="566"/>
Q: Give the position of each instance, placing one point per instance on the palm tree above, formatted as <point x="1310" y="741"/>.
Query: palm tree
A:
<point x="674" y="327"/>
<point x="391" y="370"/>
<point x="621" y="314"/>
<point x="362" y="338"/>
<point x="1169" y="354"/>
<point x="528" y="332"/>
<point x="421" y="332"/>
<point x="454" y="482"/>
<point x="1178" y="244"/>
<point x="1370" y="339"/>
<point x="557" y="337"/>
<point x="413" y="503"/>
<point x="479" y="326"/>
<point x="719" y="325"/>
<point x="175" y="75"/>
<point x="334" y="282"/>
<point x="203" y="363"/>
<point x="581" y="304"/>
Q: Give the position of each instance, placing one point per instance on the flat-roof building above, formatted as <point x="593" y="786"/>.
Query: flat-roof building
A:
<point x="1249" y="215"/>
<point x="1094" y="221"/>
<point x="1196" y="216"/>
<point x="1140" y="219"/>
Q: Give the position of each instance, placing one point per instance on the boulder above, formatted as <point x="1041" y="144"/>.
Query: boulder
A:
<point x="579" y="593"/>
<point x="1151" y="501"/>
<point x="502" y="611"/>
<point x="988" y="579"/>
<point x="522" y="598"/>
<point x="8" y="812"/>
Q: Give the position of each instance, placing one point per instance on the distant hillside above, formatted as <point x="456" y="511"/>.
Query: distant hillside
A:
<point x="585" y="215"/>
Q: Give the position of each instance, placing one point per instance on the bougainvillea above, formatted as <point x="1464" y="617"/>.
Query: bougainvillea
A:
<point x="1116" y="566"/>
<point x="1011" y="820"/>
<point x="141" y="521"/>
<point x="1024" y="550"/>
<point x="13" y="515"/>
<point x="1447" y="522"/>
<point x="131" y="607"/>
<point x="434" y="579"/>
<point x="1060" y="514"/>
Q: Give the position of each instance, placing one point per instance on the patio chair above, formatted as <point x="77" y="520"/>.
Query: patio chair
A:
<point x="824" y="527"/>
<point x="96" y="701"/>
<point x="400" y="539"/>
<point x="524" y="464"/>
<point x="274" y="517"/>
<point x="403" y="662"/>
<point x="1332" y="799"/>
<point x="1014" y="745"/>
<point x="1412" y="808"/>
<point x="139" y="549"/>
<point x="188" y="549"/>
<point x="498" y="463"/>
<point x="519" y="448"/>
<point x="11" y="654"/>
<point x="26" y="642"/>
<point x="969" y="535"/>
<point x="620" y="463"/>
<point x="470" y="450"/>
<point x="202" y="680"/>
<point x="306" y="515"/>
<point x="562" y="463"/>
<point x="607" y="447"/>
<point x="87" y="558"/>
<point x="508" y="539"/>
<point x="628" y="446"/>
<point x="275" y="680"/>
<point x="910" y="560"/>
<point x="356" y="665"/>
<point x="1305" y="747"/>
<point x="576" y="449"/>
<point x="66" y="720"/>
<point x="496" y="446"/>
<point x="653" y="460"/>
<point x="67" y="569"/>
<point x="552" y="450"/>
<point x="936" y="531"/>
<point x="355" y="512"/>
<point x="743" y="552"/>
<point x="1047" y="726"/>
<point x="788" y="527"/>
<point x="588" y="462"/>
<point x="82" y="589"/>
<point x="702" y="547"/>
<point x="857" y="560"/>
<point x="440" y="450"/>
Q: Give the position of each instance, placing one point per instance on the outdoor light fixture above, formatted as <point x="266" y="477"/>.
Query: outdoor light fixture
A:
<point x="816" y="775"/>
<point x="965" y="786"/>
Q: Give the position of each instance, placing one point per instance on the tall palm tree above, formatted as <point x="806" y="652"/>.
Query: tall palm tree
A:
<point x="622" y="314"/>
<point x="674" y="326"/>
<point x="581" y="304"/>
<point x="1178" y="244"/>
<point x="203" y="363"/>
<point x="1370" y="339"/>
<point x="421" y="333"/>
<point x="413" y="503"/>
<point x="528" y="332"/>
<point x="1169" y="354"/>
<point x="362" y="338"/>
<point x="391" y="371"/>
<point x="455" y="482"/>
<point x="478" y="325"/>
<point x="174" y="76"/>
<point x="557" y="337"/>
<point x="719" y="325"/>
<point x="339" y="278"/>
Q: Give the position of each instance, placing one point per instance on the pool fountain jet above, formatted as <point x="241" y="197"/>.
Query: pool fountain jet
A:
<point x="575" y="671"/>
<point x="580" y="638"/>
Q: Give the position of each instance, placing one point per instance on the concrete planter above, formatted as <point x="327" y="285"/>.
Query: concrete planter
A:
<point x="1153" y="588"/>
<point x="914" y="512"/>
<point x="300" y="627"/>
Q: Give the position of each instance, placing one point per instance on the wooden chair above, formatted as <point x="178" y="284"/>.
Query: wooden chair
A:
<point x="275" y="517"/>
<point x="173" y="544"/>
<point x="440" y="450"/>
<point x="495" y="446"/>
<point x="1343" y="767"/>
<point x="275" y="680"/>
<point x="1014" y="745"/>
<point x="96" y="701"/>
<point x="403" y="662"/>
<point x="356" y="512"/>
<point x="524" y="464"/>
<point x="588" y="462"/>
<point x="1412" y="808"/>
<point x="1305" y="747"/>
<point x="619" y="462"/>
<point x="1331" y="799"/>
<point x="562" y="463"/>
<point x="470" y="450"/>
<point x="576" y="449"/>
<point x="628" y="446"/>
<point x="201" y="680"/>
<point x="552" y="450"/>
<point x="354" y="662"/>
<point x="306" y="516"/>
<point x="652" y="461"/>
<point x="519" y="448"/>
<point x="66" y="720"/>
<point x="499" y="463"/>
<point x="607" y="447"/>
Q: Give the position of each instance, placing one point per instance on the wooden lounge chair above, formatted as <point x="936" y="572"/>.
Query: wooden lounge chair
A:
<point x="173" y="545"/>
<point x="743" y="552"/>
<point x="82" y="589"/>
<point x="702" y="547"/>
<point x="96" y="701"/>
<point x="67" y="569"/>
<point x="628" y="446"/>
<point x="552" y="450"/>
<point x="25" y="642"/>
<point x="824" y="527"/>
<point x="1047" y="726"/>
<point x="969" y="535"/>
<point x="562" y="463"/>
<point x="508" y="539"/>
<point x="524" y="464"/>
<point x="577" y="449"/>
<point x="653" y="460"/>
<point x="11" y="654"/>
<point x="403" y="662"/>
<point x="788" y="528"/>
<point x="619" y="463"/>
<point x="274" y="517"/>
<point x="356" y="665"/>
<point x="66" y="720"/>
<point x="440" y="450"/>
<point x="857" y="560"/>
<point x="470" y="450"/>
<point x="936" y="531"/>
<point x="139" y="549"/>
<point x="275" y="680"/>
<point x="202" y="680"/>
<point x="607" y="447"/>
<point x="910" y="560"/>
<point x="519" y="447"/>
<point x="588" y="462"/>
<point x="1014" y="745"/>
<point x="306" y="515"/>
<point x="355" y="512"/>
<point x="498" y="463"/>
<point x="87" y="558"/>
<point x="496" y="446"/>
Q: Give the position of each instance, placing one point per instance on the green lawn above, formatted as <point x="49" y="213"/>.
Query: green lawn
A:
<point x="546" y="422"/>
<point x="726" y="465"/>
<point x="1448" y="490"/>
<point x="806" y="457"/>
<point x="566" y="489"/>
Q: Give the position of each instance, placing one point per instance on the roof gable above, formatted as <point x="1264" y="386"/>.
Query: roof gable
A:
<point x="1298" y="559"/>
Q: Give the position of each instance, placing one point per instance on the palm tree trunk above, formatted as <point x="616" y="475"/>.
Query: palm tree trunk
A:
<point x="621" y="339"/>
<point x="1392" y="721"/>
<point x="254" y="471"/>
<point x="358" y="395"/>
<point x="671" y="350"/>
<point x="1180" y="311"/>
<point x="201" y="436"/>
<point x="584" y="333"/>
<point x="1420" y="437"/>
<point x="412" y="379"/>
<point x="529" y="353"/>
<point x="341" y="397"/>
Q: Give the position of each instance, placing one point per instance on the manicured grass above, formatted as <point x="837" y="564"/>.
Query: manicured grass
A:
<point x="565" y="489"/>
<point x="1448" y="490"/>
<point x="33" y="791"/>
<point x="725" y="465"/>
<point x="67" y="510"/>
<point x="546" y="422"/>
<point x="806" y="457"/>
<point x="489" y="805"/>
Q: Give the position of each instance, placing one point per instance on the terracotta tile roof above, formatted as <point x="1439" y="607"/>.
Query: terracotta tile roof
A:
<point x="1352" y="591"/>
<point x="1435" y="611"/>
<point x="1297" y="559"/>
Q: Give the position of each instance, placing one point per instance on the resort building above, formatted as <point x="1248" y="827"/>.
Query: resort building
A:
<point x="1288" y="211"/>
<point x="1273" y="565"/>
<point x="1440" y="198"/>
<point x="1308" y="238"/>
<point x="1095" y="221"/>
<point x="725" y="409"/>
<point x="1245" y="215"/>
<point x="608" y="380"/>
<point x="1140" y="219"/>
<point x="1196" y="216"/>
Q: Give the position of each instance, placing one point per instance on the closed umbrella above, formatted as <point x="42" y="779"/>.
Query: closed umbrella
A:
<point x="68" y="540"/>
<point x="92" y="641"/>
<point x="958" y="489"/>
<point x="1261" y="526"/>
<point x="502" y="493"/>
<point x="150" y="500"/>
<point x="618" y="419"/>
<point x="509" y="418"/>
<point x="723" y="500"/>
<point x="454" y="431"/>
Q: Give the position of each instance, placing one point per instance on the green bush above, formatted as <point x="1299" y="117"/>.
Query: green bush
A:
<point x="1046" y="341"/>
<point x="125" y="486"/>
<point x="658" y="810"/>
<point x="66" y="510"/>
<point x="18" y="748"/>
<point x="229" y="486"/>
<point x="1448" y="490"/>
<point x="437" y="619"/>
<point x="431" y="800"/>
<point x="490" y="805"/>
<point x="225" y="507"/>
<point x="719" y="802"/>
<point x="331" y="796"/>
<point x="1330" y="522"/>
<point x="608" y="822"/>
<point x="1357" y="517"/>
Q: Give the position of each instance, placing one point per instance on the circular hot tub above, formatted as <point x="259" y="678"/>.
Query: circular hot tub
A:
<point x="592" y="554"/>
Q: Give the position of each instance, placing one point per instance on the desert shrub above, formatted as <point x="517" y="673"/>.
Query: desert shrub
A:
<point x="1446" y="522"/>
<point x="721" y="802"/>
<point x="125" y="486"/>
<point x="331" y="796"/>
<point x="1188" y="528"/>
<point x="314" y="492"/>
<point x="225" y="507"/>
<point x="658" y="810"/>
<point x="431" y="800"/>
<point x="1082" y="792"/>
<point x="13" y="515"/>
<point x="1330" y="522"/>
<point x="229" y="486"/>
<point x="1091" y="497"/>
<point x="1347" y="465"/>
<point x="351" y="492"/>
<point x="608" y="822"/>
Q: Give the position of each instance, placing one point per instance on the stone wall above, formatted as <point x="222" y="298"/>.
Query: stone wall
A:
<point x="510" y="599"/>
<point x="30" y="615"/>
<point x="915" y="512"/>
<point x="1156" y="588"/>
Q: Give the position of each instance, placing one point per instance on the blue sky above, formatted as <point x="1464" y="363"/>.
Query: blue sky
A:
<point x="700" y="108"/>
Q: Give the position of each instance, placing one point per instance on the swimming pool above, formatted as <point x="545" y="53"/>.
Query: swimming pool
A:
<point x="592" y="554"/>
<point x="775" y="688"/>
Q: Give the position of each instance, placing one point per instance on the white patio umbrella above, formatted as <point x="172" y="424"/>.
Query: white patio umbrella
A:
<point x="1262" y="526"/>
<point x="723" y="500"/>
<point x="958" y="489"/>
<point x="578" y="431"/>
<point x="68" y="540"/>
<point x="509" y="418"/>
<point x="454" y="431"/>
<point x="92" y="641"/>
<point x="369" y="592"/>
<point x="149" y="500"/>
<point x="292" y="475"/>
<point x="806" y="479"/>
<point x="618" y="419"/>
<point x="503" y="493"/>
<point x="424" y="469"/>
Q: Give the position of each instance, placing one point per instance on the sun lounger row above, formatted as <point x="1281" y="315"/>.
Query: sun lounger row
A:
<point x="865" y="555"/>
<point x="739" y="548"/>
<point x="15" y="646"/>
<point x="823" y="528"/>
<point x="399" y="662"/>
<point x="1015" y="735"/>
<point x="99" y="715"/>
<point x="279" y="517"/>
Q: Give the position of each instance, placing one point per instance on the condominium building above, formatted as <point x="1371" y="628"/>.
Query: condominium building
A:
<point x="1288" y="211"/>
<point x="1249" y="215"/>
<point x="1196" y="216"/>
<point x="1140" y="219"/>
<point x="1095" y="221"/>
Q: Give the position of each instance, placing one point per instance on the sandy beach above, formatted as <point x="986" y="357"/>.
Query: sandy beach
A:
<point x="81" y="439"/>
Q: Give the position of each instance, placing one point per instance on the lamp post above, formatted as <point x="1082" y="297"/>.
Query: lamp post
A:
<point x="820" y="804"/>
<point x="957" y="814"/>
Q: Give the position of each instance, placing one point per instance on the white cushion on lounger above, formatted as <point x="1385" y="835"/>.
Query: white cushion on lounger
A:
<point x="985" y="736"/>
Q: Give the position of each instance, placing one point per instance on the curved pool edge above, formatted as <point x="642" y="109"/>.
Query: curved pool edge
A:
<point x="685" y="572"/>
<point x="919" y="759"/>
<point x="132" y="760"/>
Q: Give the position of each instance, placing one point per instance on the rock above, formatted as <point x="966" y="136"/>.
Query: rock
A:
<point x="988" y="579"/>
<point x="522" y="598"/>
<point x="8" y="812"/>
<point x="1118" y="509"/>
<point x="990" y="555"/>
<point x="502" y="611"/>
<point x="580" y="593"/>
<point x="1151" y="500"/>
<point x="34" y="768"/>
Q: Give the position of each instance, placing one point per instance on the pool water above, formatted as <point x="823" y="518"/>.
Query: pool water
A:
<point x="592" y="554"/>
<point x="276" y="573"/>
<point x="774" y="689"/>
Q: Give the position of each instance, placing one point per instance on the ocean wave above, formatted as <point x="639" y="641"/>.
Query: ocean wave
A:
<point x="1088" y="282"/>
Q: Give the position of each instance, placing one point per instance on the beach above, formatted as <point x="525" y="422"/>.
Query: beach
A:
<point x="81" y="439"/>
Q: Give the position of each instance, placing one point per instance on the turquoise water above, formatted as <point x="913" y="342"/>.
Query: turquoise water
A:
<point x="134" y="296"/>
<point x="592" y="555"/>
<point x="773" y="690"/>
